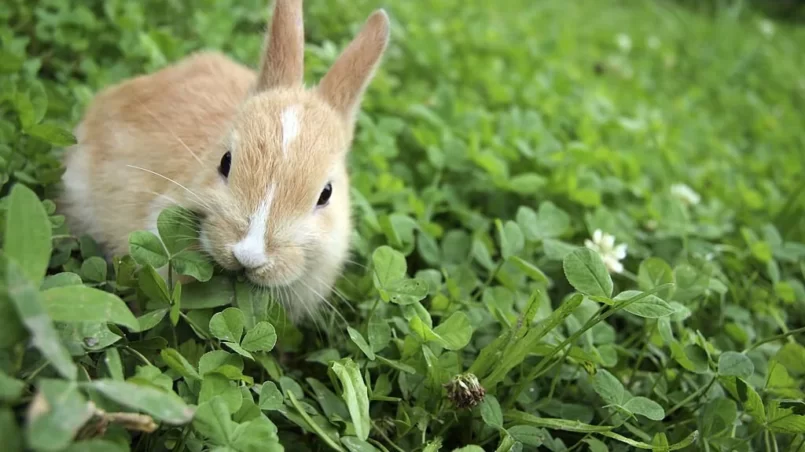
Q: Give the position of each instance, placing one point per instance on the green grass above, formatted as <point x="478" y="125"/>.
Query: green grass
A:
<point x="493" y="144"/>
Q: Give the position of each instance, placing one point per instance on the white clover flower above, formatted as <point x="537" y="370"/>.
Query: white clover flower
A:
<point x="766" y="28"/>
<point x="624" y="42"/>
<point x="685" y="194"/>
<point x="604" y="245"/>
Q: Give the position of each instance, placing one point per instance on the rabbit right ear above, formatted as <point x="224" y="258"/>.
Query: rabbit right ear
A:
<point x="282" y="64"/>
<point x="344" y="84"/>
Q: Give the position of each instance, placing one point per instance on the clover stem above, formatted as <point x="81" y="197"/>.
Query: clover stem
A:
<point x="36" y="371"/>
<point x="371" y="313"/>
<point x="599" y="316"/>
<point x="197" y="329"/>
<point x="774" y="338"/>
<point x="695" y="394"/>
<point x="384" y="436"/>
<point x="588" y="434"/>
<point x="543" y="367"/>
<point x="138" y="355"/>
<point x="488" y="281"/>
<point x="170" y="277"/>
<point x="377" y="443"/>
<point x="180" y="445"/>
<point x="170" y="291"/>
<point x="446" y="426"/>
<point x="641" y="355"/>
<point x="801" y="444"/>
<point x="628" y="275"/>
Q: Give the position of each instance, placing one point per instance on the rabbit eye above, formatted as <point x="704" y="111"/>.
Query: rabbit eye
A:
<point x="324" y="197"/>
<point x="226" y="161"/>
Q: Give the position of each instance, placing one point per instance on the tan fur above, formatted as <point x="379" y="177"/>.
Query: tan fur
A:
<point x="158" y="139"/>
<point x="282" y="64"/>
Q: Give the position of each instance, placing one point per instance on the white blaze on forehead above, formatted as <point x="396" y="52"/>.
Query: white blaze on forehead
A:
<point x="251" y="250"/>
<point x="233" y="140"/>
<point x="290" y="126"/>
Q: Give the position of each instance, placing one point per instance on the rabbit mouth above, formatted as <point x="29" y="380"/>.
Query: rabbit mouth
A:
<point x="200" y="214"/>
<point x="275" y="276"/>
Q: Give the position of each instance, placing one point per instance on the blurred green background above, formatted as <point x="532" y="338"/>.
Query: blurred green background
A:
<point x="586" y="111"/>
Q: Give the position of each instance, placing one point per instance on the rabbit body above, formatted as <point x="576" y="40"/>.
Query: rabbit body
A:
<point x="261" y="158"/>
<point x="159" y="123"/>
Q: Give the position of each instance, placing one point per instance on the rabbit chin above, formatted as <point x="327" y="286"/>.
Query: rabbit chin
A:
<point x="277" y="275"/>
<point x="303" y="293"/>
<point x="302" y="287"/>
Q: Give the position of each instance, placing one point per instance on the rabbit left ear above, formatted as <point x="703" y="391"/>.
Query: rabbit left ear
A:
<point x="282" y="64"/>
<point x="344" y="84"/>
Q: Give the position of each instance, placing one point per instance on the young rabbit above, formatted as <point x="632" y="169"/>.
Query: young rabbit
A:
<point x="261" y="158"/>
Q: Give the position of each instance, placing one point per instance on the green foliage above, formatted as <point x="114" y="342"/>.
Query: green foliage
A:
<point x="483" y="310"/>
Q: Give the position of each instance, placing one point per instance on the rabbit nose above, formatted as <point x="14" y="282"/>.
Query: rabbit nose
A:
<point x="249" y="254"/>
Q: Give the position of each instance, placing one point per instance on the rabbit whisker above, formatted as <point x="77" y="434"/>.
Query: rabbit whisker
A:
<point x="335" y="291"/>
<point x="148" y="110"/>
<point x="172" y="181"/>
<point x="324" y="300"/>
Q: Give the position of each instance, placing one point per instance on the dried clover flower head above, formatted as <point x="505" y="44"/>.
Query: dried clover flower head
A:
<point x="465" y="391"/>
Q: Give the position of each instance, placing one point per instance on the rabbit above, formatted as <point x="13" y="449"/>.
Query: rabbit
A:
<point x="260" y="157"/>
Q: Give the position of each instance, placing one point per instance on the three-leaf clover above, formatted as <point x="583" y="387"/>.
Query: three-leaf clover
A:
<point x="229" y="325"/>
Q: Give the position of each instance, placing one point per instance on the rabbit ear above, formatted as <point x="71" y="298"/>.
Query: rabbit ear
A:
<point x="344" y="84"/>
<point x="282" y="64"/>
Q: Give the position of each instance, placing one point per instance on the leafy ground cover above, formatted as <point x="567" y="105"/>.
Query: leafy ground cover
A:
<point x="579" y="227"/>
